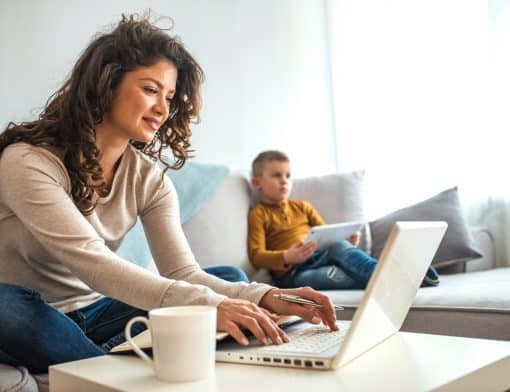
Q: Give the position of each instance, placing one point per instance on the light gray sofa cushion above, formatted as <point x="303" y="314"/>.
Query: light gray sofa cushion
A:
<point x="475" y="304"/>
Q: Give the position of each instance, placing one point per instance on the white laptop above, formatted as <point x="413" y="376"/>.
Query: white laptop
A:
<point x="327" y="235"/>
<point x="383" y="308"/>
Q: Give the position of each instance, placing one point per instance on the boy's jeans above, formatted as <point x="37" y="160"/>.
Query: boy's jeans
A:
<point x="35" y="335"/>
<point x="341" y="266"/>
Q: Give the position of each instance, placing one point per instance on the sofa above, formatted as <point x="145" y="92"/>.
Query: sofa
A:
<point x="472" y="303"/>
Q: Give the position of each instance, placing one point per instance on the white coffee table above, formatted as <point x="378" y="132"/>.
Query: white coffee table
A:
<point x="404" y="362"/>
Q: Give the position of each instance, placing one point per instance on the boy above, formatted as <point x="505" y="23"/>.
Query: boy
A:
<point x="278" y="225"/>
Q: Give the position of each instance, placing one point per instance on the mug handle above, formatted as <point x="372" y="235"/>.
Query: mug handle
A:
<point x="136" y="349"/>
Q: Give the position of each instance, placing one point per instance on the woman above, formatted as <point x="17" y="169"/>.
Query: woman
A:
<point x="73" y="182"/>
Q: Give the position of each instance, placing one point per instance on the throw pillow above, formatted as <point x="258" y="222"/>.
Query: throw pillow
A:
<point x="195" y="184"/>
<point x="457" y="245"/>
<point x="337" y="197"/>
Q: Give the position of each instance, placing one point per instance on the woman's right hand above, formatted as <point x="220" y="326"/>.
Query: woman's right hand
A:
<point x="235" y="314"/>
<point x="299" y="252"/>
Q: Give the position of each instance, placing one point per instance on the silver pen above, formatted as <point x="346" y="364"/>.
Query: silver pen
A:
<point x="300" y="300"/>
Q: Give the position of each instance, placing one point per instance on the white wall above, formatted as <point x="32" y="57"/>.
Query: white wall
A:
<point x="410" y="82"/>
<point x="499" y="81"/>
<point x="266" y="65"/>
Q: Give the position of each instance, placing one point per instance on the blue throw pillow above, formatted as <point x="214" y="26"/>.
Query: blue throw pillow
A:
<point x="195" y="183"/>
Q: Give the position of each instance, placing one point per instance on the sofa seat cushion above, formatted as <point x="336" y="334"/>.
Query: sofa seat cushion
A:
<point x="476" y="290"/>
<point x="475" y="304"/>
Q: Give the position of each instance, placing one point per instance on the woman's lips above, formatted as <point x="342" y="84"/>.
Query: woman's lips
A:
<point x="153" y="124"/>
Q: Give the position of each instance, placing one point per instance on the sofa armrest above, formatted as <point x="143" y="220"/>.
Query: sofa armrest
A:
<point x="484" y="241"/>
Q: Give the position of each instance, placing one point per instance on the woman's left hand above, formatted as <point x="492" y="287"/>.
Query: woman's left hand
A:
<point x="312" y="314"/>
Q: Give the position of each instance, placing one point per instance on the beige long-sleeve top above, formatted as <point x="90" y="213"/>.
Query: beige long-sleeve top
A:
<point x="48" y="245"/>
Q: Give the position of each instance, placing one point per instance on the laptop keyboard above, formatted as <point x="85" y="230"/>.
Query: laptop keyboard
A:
<point x="315" y="339"/>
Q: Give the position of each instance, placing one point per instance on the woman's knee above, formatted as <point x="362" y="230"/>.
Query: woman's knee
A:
<point x="13" y="297"/>
<point x="17" y="308"/>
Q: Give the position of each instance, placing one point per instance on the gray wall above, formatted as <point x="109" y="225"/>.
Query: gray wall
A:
<point x="266" y="65"/>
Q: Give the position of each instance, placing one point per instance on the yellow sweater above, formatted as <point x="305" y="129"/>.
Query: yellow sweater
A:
<point x="273" y="228"/>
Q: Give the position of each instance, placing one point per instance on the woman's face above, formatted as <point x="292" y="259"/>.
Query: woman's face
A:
<point x="140" y="103"/>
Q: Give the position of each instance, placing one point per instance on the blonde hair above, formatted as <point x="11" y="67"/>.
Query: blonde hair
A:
<point x="265" y="157"/>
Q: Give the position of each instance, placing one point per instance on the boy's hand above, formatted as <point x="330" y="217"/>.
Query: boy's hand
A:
<point x="355" y="238"/>
<point x="299" y="252"/>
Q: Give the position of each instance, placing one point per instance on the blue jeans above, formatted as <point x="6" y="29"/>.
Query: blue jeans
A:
<point x="36" y="335"/>
<point x="228" y="273"/>
<point x="341" y="266"/>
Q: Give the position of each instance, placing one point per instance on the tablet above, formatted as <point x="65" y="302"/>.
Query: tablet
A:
<point x="327" y="235"/>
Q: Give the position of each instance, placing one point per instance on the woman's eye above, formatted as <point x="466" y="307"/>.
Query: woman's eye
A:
<point x="169" y="100"/>
<point x="151" y="90"/>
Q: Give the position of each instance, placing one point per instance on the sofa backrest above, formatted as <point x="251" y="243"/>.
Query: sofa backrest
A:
<point x="218" y="232"/>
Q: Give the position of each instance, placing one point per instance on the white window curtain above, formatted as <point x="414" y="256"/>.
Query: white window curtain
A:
<point x="421" y="96"/>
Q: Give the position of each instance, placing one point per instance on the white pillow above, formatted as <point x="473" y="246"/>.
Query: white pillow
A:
<point x="337" y="197"/>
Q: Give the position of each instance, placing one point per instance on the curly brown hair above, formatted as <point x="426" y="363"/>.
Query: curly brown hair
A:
<point x="68" y="120"/>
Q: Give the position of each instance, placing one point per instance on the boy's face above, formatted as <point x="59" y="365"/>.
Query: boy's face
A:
<point x="275" y="183"/>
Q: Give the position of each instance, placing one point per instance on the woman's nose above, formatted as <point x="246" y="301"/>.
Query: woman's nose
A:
<point x="161" y="107"/>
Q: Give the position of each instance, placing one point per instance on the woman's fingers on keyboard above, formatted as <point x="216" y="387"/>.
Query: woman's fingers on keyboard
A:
<point x="275" y="317"/>
<point x="245" y="314"/>
<point x="233" y="330"/>
<point x="262" y="325"/>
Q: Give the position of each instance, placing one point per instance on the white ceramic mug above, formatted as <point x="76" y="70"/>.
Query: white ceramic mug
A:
<point x="183" y="342"/>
